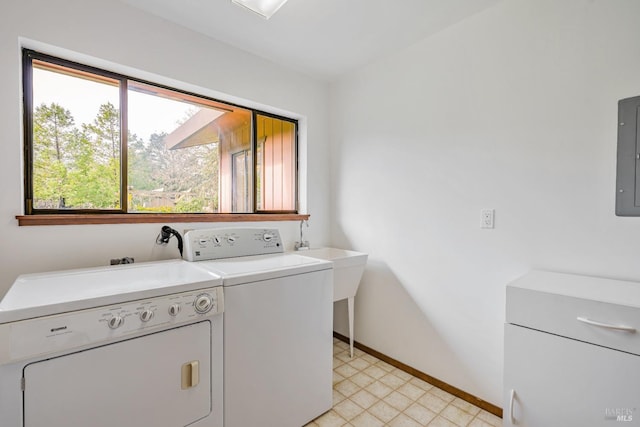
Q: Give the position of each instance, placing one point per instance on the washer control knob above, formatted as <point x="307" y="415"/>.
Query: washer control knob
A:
<point x="203" y="303"/>
<point x="146" y="315"/>
<point x="267" y="237"/>
<point x="216" y="240"/>
<point x="174" y="309"/>
<point x="231" y="239"/>
<point x="115" y="322"/>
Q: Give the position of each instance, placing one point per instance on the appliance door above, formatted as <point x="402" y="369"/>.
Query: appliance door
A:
<point x="161" y="379"/>
<point x="558" y="381"/>
<point x="278" y="350"/>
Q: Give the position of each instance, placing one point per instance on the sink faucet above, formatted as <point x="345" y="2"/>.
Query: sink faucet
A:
<point x="302" y="245"/>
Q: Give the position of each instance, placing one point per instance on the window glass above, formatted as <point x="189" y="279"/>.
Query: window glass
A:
<point x="276" y="166"/>
<point x="174" y="151"/>
<point x="76" y="139"/>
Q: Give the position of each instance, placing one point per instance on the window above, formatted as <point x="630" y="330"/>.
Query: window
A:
<point x="101" y="142"/>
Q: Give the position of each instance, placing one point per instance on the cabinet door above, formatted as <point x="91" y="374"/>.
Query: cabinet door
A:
<point x="563" y="382"/>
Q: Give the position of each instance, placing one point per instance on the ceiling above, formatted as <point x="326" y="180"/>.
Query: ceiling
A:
<point x="321" y="38"/>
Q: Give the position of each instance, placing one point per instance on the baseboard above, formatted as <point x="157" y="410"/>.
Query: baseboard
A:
<point x="489" y="407"/>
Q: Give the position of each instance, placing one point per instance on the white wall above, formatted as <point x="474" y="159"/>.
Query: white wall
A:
<point x="149" y="47"/>
<point x="513" y="109"/>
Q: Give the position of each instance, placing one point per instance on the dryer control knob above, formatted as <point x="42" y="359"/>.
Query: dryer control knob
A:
<point x="174" y="309"/>
<point x="146" y="315"/>
<point x="203" y="303"/>
<point x="267" y="237"/>
<point x="115" y="322"/>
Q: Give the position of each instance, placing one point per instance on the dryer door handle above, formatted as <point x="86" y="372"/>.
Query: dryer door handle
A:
<point x="190" y="374"/>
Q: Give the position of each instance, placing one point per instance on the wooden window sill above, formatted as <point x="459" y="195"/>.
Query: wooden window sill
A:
<point x="146" y="218"/>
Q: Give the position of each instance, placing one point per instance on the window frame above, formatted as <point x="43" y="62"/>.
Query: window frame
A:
<point x="78" y="216"/>
<point x="254" y="148"/>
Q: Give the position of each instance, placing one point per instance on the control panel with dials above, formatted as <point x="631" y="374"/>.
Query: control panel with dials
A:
<point x="217" y="243"/>
<point x="119" y="321"/>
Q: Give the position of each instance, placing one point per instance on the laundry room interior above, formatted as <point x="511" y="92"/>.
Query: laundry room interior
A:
<point x="471" y="152"/>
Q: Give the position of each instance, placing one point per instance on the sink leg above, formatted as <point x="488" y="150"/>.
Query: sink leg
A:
<point x="351" y="303"/>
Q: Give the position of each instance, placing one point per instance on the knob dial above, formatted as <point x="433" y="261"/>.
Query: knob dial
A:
<point x="115" y="322"/>
<point x="203" y="303"/>
<point x="146" y="315"/>
<point x="216" y="240"/>
<point x="231" y="239"/>
<point x="267" y="237"/>
<point x="174" y="309"/>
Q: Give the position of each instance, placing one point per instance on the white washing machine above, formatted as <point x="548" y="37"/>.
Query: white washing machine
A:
<point x="132" y="345"/>
<point x="277" y="326"/>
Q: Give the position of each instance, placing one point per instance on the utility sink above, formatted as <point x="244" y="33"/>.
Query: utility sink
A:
<point x="348" y="267"/>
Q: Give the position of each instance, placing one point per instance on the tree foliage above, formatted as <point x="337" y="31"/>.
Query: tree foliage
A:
<point x="79" y="167"/>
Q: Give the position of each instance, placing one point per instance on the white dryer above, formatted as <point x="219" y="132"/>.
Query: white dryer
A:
<point x="132" y="345"/>
<point x="277" y="326"/>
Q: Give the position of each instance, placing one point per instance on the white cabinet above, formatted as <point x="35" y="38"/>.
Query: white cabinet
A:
<point x="562" y="371"/>
<point x="564" y="382"/>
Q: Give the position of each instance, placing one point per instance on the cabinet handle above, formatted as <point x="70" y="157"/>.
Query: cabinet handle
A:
<point x="606" y="325"/>
<point x="512" y="398"/>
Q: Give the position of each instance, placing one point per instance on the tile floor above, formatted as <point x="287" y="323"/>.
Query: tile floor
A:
<point x="368" y="392"/>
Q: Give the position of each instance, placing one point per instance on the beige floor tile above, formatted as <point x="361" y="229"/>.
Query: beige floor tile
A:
<point x="362" y="380"/>
<point x="369" y="358"/>
<point x="447" y="397"/>
<point x="441" y="422"/>
<point x="347" y="409"/>
<point x="385" y="366"/>
<point x="364" y="398"/>
<point x="489" y="418"/>
<point x="330" y="419"/>
<point x="404" y="421"/>
<point x="420" y="383"/>
<point x="357" y="352"/>
<point x="465" y="406"/>
<point x="432" y="402"/>
<point x="420" y="414"/>
<point x="365" y="419"/>
<point x="347" y="388"/>
<point x="341" y="345"/>
<point x="371" y="393"/>
<point x="346" y="370"/>
<point x="337" y="397"/>
<point x="383" y="411"/>
<point x="359" y="363"/>
<point x="456" y="415"/>
<point x="375" y="372"/>
<point x="392" y="381"/>
<point x="411" y="391"/>
<point x="378" y="389"/>
<point x="477" y="422"/>
<point x="402" y="374"/>
<point x="398" y="401"/>
<point x="343" y="356"/>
